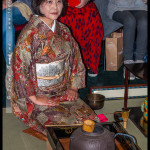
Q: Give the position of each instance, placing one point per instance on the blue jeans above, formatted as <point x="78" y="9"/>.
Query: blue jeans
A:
<point x="11" y="16"/>
<point x="134" y="30"/>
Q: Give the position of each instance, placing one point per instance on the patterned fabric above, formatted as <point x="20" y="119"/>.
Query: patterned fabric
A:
<point x="24" y="9"/>
<point x="86" y="26"/>
<point x="38" y="44"/>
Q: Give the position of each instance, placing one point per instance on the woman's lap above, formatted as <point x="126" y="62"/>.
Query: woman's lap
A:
<point x="37" y="116"/>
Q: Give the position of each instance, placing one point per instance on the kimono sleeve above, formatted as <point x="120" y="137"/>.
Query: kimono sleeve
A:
<point x="77" y="78"/>
<point x="24" y="82"/>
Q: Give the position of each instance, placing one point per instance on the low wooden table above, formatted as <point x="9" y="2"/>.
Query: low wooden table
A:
<point x="59" y="137"/>
<point x="140" y="71"/>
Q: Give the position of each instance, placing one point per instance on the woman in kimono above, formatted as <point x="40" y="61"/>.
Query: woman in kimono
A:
<point x="47" y="71"/>
<point x="84" y="21"/>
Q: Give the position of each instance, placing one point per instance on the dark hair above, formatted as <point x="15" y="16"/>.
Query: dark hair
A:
<point x="35" y="4"/>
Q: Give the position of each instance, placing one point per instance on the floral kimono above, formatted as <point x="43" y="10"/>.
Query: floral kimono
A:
<point x="46" y="63"/>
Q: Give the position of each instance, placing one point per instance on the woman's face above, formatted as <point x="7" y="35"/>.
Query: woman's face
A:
<point x="51" y="9"/>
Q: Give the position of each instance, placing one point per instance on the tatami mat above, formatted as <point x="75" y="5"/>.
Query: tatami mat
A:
<point x="15" y="139"/>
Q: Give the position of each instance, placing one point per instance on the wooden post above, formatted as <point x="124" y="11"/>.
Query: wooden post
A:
<point x="126" y="89"/>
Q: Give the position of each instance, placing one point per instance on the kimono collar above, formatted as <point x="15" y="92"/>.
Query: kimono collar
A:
<point x="54" y="24"/>
<point x="43" y="27"/>
<point x="53" y="27"/>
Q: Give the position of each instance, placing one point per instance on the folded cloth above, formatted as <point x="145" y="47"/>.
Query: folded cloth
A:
<point x="36" y="134"/>
<point x="102" y="118"/>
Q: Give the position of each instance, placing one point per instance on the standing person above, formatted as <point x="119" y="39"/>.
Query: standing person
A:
<point x="86" y="25"/>
<point x="133" y="15"/>
<point x="47" y="71"/>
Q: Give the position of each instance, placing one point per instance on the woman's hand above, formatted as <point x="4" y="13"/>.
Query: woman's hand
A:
<point x="144" y="1"/>
<point x="72" y="94"/>
<point x="82" y="3"/>
<point x="43" y="100"/>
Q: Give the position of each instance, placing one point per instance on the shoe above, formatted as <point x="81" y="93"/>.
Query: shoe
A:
<point x="128" y="61"/>
<point x="91" y="73"/>
<point x="139" y="61"/>
<point x="131" y="76"/>
<point x="137" y="77"/>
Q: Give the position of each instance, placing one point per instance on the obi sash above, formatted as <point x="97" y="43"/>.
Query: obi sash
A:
<point x="50" y="73"/>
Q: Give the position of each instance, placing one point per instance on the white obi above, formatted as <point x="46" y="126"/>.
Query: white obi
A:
<point x="50" y="73"/>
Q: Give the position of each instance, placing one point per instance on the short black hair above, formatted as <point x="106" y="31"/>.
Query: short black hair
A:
<point x="35" y="4"/>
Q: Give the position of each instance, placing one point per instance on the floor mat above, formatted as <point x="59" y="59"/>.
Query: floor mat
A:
<point x="136" y="116"/>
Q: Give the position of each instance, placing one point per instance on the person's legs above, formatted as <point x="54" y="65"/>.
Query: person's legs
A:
<point x="11" y="16"/>
<point x="129" y="28"/>
<point x="141" y="39"/>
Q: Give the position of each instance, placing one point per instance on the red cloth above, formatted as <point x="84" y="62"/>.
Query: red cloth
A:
<point x="73" y="2"/>
<point x="86" y="26"/>
<point x="102" y="118"/>
<point x="19" y="27"/>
